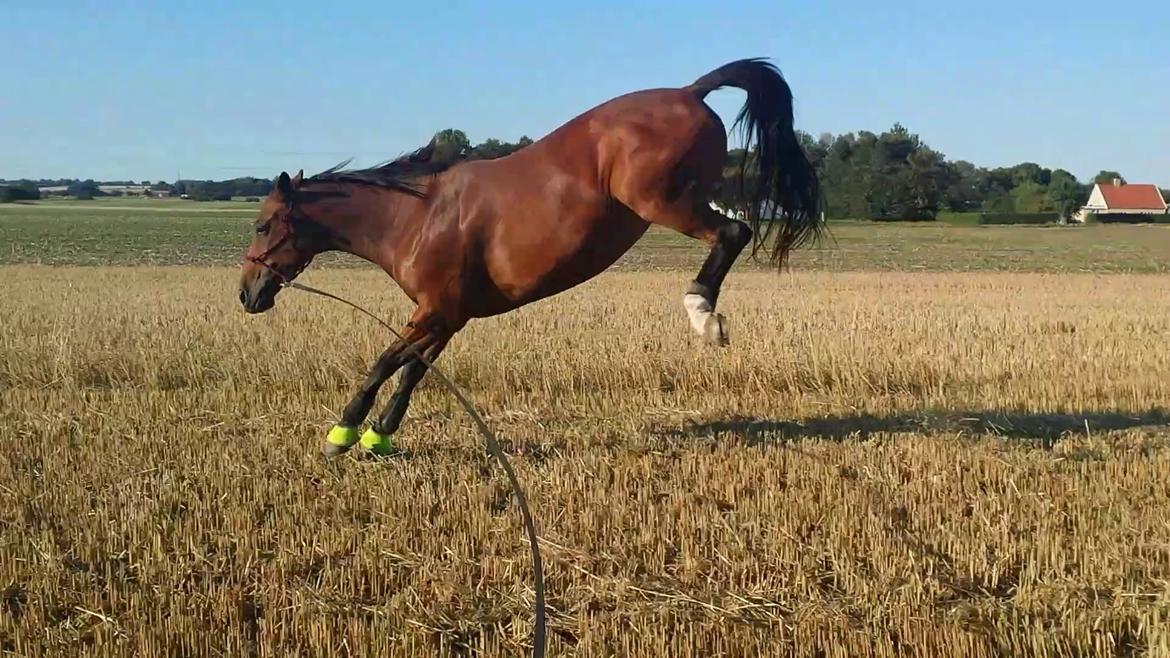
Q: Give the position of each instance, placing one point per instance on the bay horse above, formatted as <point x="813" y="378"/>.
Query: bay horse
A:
<point x="474" y="239"/>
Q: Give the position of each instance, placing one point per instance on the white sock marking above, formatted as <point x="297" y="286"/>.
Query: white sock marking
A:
<point x="698" y="310"/>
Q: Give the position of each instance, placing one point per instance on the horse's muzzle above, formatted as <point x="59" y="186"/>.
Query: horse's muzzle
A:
<point x="259" y="295"/>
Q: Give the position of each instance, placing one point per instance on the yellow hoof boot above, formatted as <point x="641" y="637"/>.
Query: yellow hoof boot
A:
<point x="379" y="444"/>
<point x="339" y="440"/>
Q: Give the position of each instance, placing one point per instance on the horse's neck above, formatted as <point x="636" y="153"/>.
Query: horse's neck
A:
<point x="370" y="224"/>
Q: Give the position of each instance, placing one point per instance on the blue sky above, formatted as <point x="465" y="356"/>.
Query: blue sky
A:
<point x="211" y="89"/>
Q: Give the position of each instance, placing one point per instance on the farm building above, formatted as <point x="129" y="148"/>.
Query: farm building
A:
<point x="1118" y="201"/>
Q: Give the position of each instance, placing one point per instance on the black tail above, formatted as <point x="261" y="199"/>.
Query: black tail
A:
<point x="787" y="182"/>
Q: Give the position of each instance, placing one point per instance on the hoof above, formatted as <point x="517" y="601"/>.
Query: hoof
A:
<point x="377" y="444"/>
<point x="339" y="440"/>
<point x="715" y="330"/>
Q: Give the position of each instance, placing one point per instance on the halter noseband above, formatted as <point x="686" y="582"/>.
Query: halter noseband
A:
<point x="289" y="234"/>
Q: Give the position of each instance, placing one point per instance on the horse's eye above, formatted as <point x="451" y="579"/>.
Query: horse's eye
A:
<point x="263" y="228"/>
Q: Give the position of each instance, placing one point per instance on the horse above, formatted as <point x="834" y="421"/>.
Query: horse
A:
<point x="469" y="239"/>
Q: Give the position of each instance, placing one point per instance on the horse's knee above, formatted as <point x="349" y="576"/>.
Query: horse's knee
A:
<point x="736" y="234"/>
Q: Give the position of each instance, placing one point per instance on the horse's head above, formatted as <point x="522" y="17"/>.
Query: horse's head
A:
<point x="283" y="244"/>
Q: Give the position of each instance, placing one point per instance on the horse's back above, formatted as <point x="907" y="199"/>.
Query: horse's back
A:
<point x="558" y="212"/>
<point x="657" y="122"/>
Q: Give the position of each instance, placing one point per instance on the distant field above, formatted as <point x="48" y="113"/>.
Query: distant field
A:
<point x="180" y="232"/>
<point x="172" y="204"/>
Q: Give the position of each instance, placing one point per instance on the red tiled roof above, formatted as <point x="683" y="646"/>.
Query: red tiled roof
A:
<point x="1134" y="197"/>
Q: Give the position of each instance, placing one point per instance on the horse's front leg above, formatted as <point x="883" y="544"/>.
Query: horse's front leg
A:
<point x="377" y="438"/>
<point x="417" y="338"/>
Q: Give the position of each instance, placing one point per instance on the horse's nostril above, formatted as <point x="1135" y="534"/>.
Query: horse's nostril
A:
<point x="243" y="298"/>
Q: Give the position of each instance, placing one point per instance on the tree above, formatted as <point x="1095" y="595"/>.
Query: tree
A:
<point x="492" y="148"/>
<point x="488" y="149"/>
<point x="815" y="149"/>
<point x="905" y="178"/>
<point x="451" y="144"/>
<point x="929" y="179"/>
<point x="1030" y="197"/>
<point x="23" y="190"/>
<point x="1066" y="195"/>
<point x="1029" y="172"/>
<point x="732" y="191"/>
<point x="86" y="189"/>
<point x="843" y="173"/>
<point x="967" y="188"/>
<point x="1107" y="177"/>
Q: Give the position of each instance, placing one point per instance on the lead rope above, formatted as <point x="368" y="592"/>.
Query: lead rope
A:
<point x="493" y="444"/>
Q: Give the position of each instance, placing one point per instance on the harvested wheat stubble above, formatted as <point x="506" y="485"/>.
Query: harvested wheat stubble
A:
<point x="880" y="464"/>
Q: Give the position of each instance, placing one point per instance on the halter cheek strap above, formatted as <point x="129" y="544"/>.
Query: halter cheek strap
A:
<point x="262" y="259"/>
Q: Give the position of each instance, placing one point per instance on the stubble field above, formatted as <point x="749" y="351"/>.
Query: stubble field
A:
<point x="954" y="461"/>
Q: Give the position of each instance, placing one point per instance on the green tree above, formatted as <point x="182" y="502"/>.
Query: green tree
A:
<point x="729" y="191"/>
<point x="1066" y="195"/>
<point x="1029" y="172"/>
<point x="22" y="190"/>
<point x="451" y="144"/>
<point x="965" y="190"/>
<point x="1106" y="176"/>
<point x="1030" y="197"/>
<point x="905" y="178"/>
<point x="493" y="148"/>
<point x="844" y="174"/>
<point x="999" y="200"/>
<point x="816" y="149"/>
<point x="86" y="189"/>
<point x="488" y="149"/>
<point x="929" y="179"/>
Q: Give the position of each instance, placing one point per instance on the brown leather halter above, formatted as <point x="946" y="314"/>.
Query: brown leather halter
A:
<point x="289" y="234"/>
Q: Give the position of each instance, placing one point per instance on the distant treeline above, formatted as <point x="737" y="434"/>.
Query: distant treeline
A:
<point x="449" y="144"/>
<point x="896" y="176"/>
<point x="889" y="176"/>
<point x="893" y="175"/>
<point x="19" y="191"/>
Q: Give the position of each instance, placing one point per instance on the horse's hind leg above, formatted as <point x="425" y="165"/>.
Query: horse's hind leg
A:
<point x="731" y="237"/>
<point x="727" y="238"/>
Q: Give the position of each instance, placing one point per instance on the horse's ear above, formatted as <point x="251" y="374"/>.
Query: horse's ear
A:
<point x="284" y="185"/>
<point x="296" y="180"/>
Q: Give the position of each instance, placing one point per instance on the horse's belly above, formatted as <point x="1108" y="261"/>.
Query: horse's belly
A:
<point x="542" y="266"/>
<point x="595" y="254"/>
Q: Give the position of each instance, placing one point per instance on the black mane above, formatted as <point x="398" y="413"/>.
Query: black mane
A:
<point x="398" y="174"/>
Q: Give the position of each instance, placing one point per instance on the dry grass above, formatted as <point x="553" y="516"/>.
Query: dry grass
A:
<point x="880" y="464"/>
